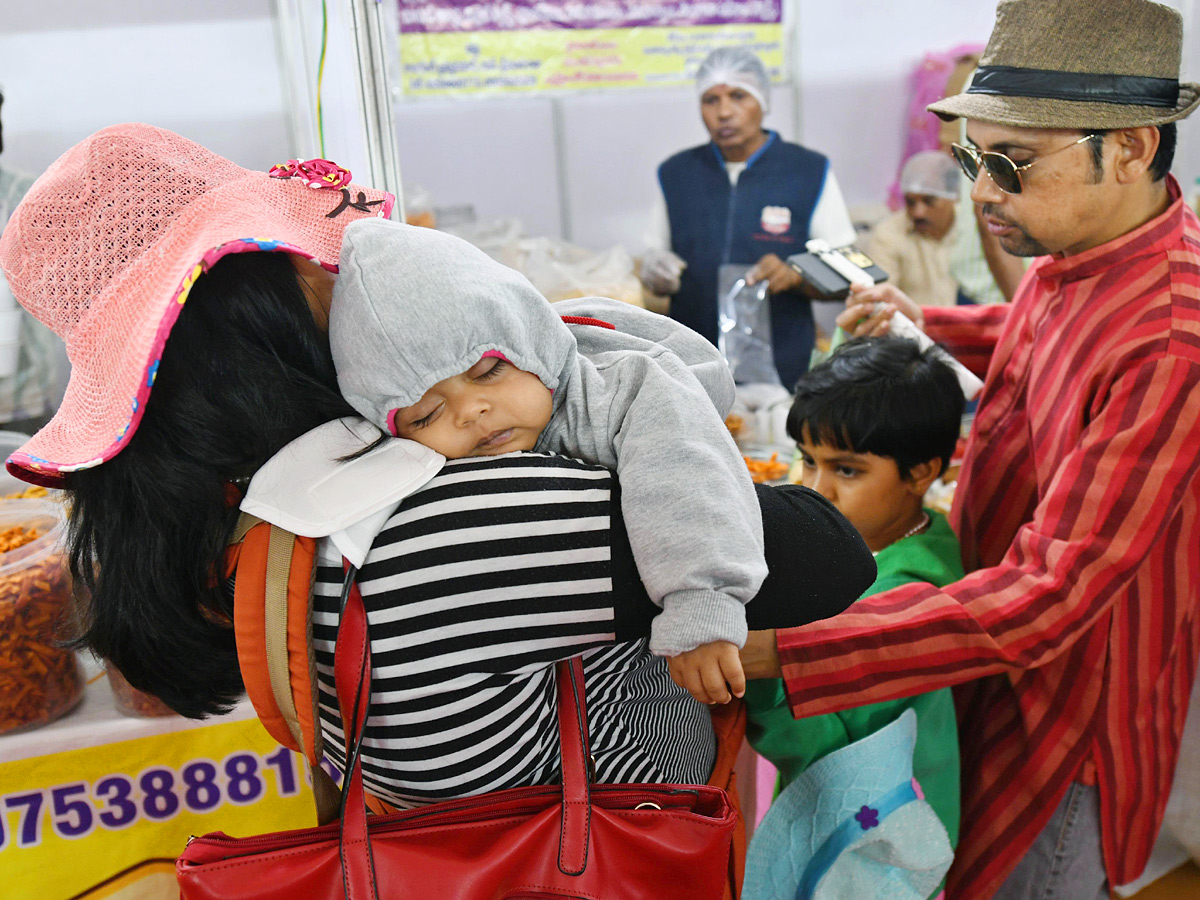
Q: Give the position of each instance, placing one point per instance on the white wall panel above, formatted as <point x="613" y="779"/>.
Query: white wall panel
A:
<point x="214" y="81"/>
<point x="495" y="154"/>
<point x="855" y="60"/>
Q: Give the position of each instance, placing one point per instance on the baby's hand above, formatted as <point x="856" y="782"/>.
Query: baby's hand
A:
<point x="709" y="672"/>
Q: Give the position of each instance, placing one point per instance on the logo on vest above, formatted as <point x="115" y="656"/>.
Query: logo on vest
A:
<point x="776" y="219"/>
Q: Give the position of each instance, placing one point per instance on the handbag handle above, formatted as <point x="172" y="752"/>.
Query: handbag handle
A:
<point x="573" y="740"/>
<point x="352" y="679"/>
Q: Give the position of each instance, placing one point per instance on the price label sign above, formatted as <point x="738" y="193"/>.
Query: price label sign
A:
<point x="101" y="821"/>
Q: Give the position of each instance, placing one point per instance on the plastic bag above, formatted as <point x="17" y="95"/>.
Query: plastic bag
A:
<point x="763" y="411"/>
<point x="744" y="323"/>
<point x="561" y="271"/>
<point x="418" y="207"/>
<point x="501" y="239"/>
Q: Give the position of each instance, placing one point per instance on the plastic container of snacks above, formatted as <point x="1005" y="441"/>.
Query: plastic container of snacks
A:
<point x="39" y="680"/>
<point x="12" y="487"/>
<point x="132" y="702"/>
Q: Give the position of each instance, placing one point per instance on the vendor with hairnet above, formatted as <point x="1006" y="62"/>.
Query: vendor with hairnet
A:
<point x="913" y="244"/>
<point x="747" y="197"/>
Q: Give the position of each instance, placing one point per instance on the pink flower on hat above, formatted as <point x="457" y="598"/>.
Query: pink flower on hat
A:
<point x="316" y="173"/>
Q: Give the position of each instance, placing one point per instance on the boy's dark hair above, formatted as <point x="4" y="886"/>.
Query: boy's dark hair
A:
<point x="244" y="372"/>
<point x="883" y="396"/>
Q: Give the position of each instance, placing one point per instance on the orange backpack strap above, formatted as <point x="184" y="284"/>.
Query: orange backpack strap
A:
<point x="729" y="723"/>
<point x="272" y="617"/>
<point x="272" y="627"/>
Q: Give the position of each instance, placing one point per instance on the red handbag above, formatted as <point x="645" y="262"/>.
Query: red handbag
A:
<point x="575" y="840"/>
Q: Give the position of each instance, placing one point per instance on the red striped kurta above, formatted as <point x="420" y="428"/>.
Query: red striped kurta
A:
<point x="1073" y="640"/>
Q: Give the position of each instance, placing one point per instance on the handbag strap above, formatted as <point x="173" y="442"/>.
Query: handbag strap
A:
<point x="573" y="738"/>
<point x="352" y="678"/>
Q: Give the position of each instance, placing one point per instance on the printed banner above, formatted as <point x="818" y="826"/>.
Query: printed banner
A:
<point x="474" y="47"/>
<point x="108" y="821"/>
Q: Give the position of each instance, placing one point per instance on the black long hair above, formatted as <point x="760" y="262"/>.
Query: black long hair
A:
<point x="245" y="371"/>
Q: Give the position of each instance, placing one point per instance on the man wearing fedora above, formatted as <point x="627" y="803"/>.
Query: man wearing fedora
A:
<point x="1072" y="642"/>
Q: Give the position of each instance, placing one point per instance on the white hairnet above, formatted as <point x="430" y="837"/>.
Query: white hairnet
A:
<point x="735" y="67"/>
<point x="931" y="172"/>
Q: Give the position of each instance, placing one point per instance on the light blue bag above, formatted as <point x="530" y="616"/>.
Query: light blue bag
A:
<point x="853" y="826"/>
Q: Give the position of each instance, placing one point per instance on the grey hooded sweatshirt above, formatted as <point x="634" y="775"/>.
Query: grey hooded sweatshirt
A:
<point x="413" y="306"/>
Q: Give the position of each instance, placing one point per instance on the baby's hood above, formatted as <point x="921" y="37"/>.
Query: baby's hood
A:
<point x="412" y="306"/>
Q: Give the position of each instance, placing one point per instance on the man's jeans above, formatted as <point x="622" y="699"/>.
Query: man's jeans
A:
<point x="1065" y="862"/>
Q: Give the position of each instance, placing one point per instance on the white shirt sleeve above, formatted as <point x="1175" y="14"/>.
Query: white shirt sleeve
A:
<point x="658" y="231"/>
<point x="830" y="220"/>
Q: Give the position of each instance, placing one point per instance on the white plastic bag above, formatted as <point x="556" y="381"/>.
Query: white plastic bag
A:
<point x="744" y="328"/>
<point x="562" y="271"/>
<point x="501" y="239"/>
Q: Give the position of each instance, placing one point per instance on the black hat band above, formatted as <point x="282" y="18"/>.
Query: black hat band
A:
<point x="1048" y="84"/>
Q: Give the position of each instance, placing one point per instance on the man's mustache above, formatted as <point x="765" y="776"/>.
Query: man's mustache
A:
<point x="990" y="212"/>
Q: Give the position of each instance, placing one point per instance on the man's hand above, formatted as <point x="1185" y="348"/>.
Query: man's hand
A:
<point x="778" y="275"/>
<point x="709" y="672"/>
<point x="661" y="270"/>
<point x="760" y="655"/>
<point x="869" y="309"/>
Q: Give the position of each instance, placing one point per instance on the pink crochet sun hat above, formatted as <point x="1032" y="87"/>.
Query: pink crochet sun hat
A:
<point x="106" y="245"/>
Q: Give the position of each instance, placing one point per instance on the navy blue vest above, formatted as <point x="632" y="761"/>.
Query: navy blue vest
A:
<point x="713" y="223"/>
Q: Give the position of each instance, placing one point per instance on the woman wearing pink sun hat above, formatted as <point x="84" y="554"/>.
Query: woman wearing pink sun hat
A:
<point x="193" y="296"/>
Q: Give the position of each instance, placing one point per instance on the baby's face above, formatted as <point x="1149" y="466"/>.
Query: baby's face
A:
<point x="491" y="408"/>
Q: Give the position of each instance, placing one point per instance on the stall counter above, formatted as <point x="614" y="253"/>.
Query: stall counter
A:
<point x="98" y="804"/>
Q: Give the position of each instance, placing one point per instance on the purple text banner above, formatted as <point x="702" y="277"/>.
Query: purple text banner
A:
<point x="442" y="16"/>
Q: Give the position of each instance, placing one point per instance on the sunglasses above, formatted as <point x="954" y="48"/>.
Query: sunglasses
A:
<point x="1005" y="173"/>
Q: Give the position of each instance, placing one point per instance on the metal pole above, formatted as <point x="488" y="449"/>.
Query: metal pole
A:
<point x="560" y="166"/>
<point x="296" y="78"/>
<point x="372" y="38"/>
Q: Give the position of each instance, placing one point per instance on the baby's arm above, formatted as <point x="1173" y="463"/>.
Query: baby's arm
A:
<point x="689" y="504"/>
<point x="710" y="672"/>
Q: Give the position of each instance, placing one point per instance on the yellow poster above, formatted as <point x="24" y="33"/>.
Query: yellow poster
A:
<point x="454" y="48"/>
<point x="107" y="821"/>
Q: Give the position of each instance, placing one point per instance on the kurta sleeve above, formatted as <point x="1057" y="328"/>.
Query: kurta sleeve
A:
<point x="1098" y="518"/>
<point x="969" y="333"/>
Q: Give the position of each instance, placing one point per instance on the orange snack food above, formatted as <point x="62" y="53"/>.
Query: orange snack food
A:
<point x="32" y="492"/>
<point x="764" y="470"/>
<point x="39" y="680"/>
<point x="132" y="702"/>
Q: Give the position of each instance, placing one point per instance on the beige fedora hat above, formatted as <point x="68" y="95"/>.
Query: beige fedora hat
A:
<point x="1086" y="64"/>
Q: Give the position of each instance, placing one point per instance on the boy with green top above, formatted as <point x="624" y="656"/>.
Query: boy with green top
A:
<point x="875" y="425"/>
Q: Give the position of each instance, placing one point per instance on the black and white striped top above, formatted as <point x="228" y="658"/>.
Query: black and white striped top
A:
<point x="476" y="585"/>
